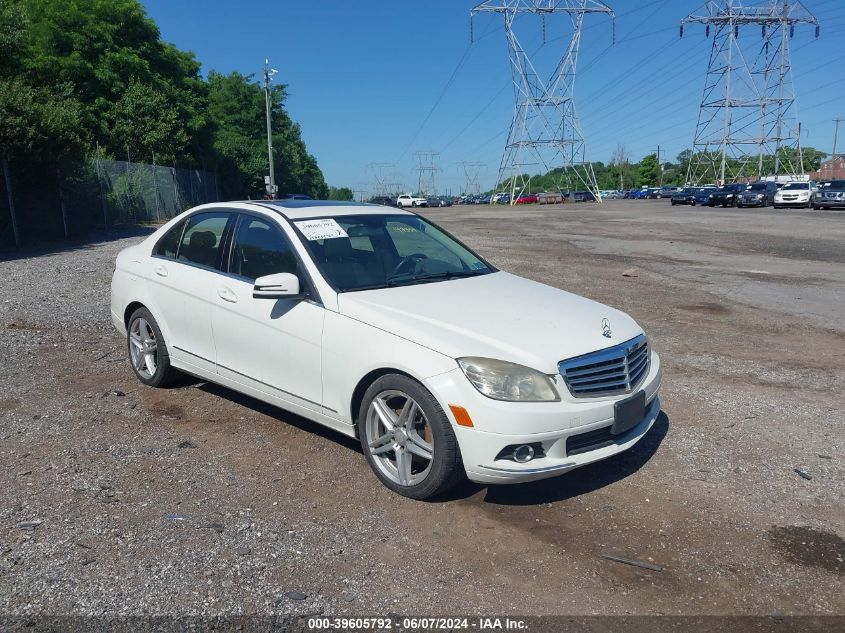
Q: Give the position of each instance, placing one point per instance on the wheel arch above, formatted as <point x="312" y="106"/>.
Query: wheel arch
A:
<point x="368" y="379"/>
<point x="130" y="310"/>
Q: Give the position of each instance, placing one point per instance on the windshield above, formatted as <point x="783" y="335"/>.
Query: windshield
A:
<point x="798" y="185"/>
<point x="363" y="252"/>
<point x="757" y="186"/>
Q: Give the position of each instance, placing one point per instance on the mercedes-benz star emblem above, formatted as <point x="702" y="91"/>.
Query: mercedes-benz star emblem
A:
<point x="605" y="328"/>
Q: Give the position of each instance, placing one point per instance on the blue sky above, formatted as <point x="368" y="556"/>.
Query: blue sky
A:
<point x="374" y="81"/>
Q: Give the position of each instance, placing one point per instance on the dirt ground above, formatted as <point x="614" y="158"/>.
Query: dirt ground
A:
<point x="121" y="499"/>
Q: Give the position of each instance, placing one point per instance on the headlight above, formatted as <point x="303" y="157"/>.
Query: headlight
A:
<point x="500" y="380"/>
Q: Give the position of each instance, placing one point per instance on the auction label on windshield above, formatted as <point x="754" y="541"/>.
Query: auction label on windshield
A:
<point x="325" y="229"/>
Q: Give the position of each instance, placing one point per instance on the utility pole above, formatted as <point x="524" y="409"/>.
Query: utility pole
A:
<point x="659" y="169"/>
<point x="835" y="135"/>
<point x="268" y="76"/>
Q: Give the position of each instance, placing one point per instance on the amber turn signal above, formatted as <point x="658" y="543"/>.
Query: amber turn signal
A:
<point x="461" y="415"/>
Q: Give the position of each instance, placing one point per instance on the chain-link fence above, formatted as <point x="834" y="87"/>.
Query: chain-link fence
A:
<point x="99" y="194"/>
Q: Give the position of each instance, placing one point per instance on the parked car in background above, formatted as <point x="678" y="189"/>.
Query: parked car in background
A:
<point x="550" y="197"/>
<point x="795" y="194"/>
<point x="438" y="201"/>
<point x="701" y="195"/>
<point x="758" y="194"/>
<point x="584" y="196"/>
<point x="667" y="192"/>
<point x="387" y="201"/>
<point x="831" y="196"/>
<point x="684" y="196"/>
<point x="293" y="196"/>
<point x="725" y="196"/>
<point x="652" y="193"/>
<point x="527" y="198"/>
<point x="314" y="309"/>
<point x="407" y="200"/>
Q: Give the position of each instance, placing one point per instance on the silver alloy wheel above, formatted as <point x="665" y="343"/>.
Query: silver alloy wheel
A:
<point x="400" y="438"/>
<point x="143" y="347"/>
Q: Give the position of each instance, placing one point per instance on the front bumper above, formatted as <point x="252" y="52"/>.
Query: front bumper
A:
<point x="722" y="202"/>
<point x="499" y="424"/>
<point x="752" y="202"/>
<point x="837" y="203"/>
<point x="805" y="202"/>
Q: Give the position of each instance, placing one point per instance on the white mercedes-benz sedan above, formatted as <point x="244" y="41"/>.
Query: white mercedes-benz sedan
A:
<point x="375" y="322"/>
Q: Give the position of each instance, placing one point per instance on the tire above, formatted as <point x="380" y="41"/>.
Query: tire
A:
<point x="145" y="344"/>
<point x="441" y="471"/>
<point x="738" y="205"/>
<point x="692" y="203"/>
<point x="413" y="204"/>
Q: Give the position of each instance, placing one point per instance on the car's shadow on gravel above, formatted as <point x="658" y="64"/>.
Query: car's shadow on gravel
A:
<point x="281" y="415"/>
<point x="574" y="483"/>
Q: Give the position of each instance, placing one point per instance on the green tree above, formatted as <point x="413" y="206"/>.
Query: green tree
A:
<point x="648" y="171"/>
<point x="340" y="193"/>
<point x="106" y="50"/>
<point x="146" y="124"/>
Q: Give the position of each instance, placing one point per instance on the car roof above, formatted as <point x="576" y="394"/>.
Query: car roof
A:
<point x="301" y="209"/>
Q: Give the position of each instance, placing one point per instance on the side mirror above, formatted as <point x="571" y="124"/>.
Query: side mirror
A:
<point x="277" y="286"/>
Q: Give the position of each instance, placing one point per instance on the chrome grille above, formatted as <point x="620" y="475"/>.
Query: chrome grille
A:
<point x="607" y="372"/>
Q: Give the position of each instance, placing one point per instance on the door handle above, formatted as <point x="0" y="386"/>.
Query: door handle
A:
<point x="161" y="271"/>
<point x="227" y="295"/>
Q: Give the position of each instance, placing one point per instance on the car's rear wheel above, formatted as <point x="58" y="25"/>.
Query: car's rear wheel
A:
<point x="148" y="351"/>
<point x="407" y="438"/>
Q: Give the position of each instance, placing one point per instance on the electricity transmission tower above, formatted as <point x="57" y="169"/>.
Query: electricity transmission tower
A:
<point x="747" y="123"/>
<point x="381" y="174"/>
<point x="472" y="176"/>
<point x="360" y="192"/>
<point x="427" y="168"/>
<point x="545" y="134"/>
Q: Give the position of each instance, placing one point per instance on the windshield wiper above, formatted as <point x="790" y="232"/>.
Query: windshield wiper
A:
<point x="452" y="274"/>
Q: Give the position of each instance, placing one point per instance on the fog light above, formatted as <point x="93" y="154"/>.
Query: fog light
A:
<point x="524" y="453"/>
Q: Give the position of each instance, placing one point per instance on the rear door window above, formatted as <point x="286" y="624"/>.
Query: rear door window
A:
<point x="202" y="241"/>
<point x="169" y="244"/>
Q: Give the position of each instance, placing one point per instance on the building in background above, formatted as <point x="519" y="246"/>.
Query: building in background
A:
<point x="833" y="169"/>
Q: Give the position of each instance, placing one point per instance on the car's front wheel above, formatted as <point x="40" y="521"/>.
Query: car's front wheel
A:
<point x="148" y="351"/>
<point x="407" y="438"/>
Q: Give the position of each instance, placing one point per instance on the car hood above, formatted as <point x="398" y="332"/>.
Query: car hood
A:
<point x="498" y="315"/>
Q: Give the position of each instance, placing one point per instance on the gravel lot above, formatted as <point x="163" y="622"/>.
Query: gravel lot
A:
<point x="121" y="499"/>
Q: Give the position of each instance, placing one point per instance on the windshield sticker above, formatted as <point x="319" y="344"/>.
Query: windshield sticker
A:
<point x="326" y="229"/>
